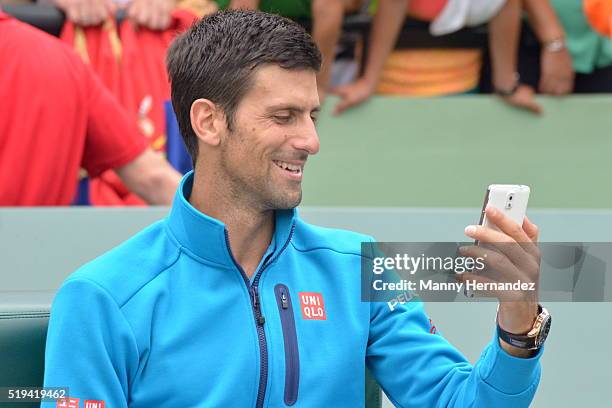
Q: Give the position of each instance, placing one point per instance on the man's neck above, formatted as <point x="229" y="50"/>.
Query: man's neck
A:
<point x="249" y="230"/>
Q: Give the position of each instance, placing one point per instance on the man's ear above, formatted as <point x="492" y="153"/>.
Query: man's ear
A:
<point x="207" y="121"/>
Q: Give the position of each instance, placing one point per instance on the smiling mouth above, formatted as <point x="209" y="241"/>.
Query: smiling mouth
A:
<point x="291" y="168"/>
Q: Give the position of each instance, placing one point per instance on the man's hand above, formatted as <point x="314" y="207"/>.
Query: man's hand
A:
<point x="153" y="14"/>
<point x="524" y="98"/>
<point x="353" y="94"/>
<point x="87" y="12"/>
<point x="511" y="255"/>
<point x="557" y="72"/>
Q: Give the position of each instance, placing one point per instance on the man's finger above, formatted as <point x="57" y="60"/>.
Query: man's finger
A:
<point x="497" y="265"/>
<point x="512" y="230"/>
<point x="506" y="224"/>
<point x="531" y="230"/>
<point x="510" y="233"/>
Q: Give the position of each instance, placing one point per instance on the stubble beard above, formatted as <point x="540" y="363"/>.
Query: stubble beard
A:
<point x="255" y="191"/>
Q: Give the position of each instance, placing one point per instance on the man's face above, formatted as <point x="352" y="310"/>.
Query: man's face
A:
<point x="273" y="134"/>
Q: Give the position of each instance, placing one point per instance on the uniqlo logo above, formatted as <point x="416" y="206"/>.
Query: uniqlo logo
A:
<point x="312" y="306"/>
<point x="67" y="403"/>
<point x="94" y="404"/>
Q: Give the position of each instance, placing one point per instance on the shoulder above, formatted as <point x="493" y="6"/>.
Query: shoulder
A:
<point x="29" y="49"/>
<point x="310" y="237"/>
<point x="28" y="40"/>
<point x="125" y="270"/>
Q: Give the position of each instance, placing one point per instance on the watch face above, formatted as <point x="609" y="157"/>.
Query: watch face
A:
<point x="544" y="330"/>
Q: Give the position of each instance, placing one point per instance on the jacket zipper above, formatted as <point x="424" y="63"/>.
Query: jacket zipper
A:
<point x="292" y="355"/>
<point x="259" y="318"/>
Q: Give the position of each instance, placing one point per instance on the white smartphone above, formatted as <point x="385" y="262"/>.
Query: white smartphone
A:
<point x="510" y="199"/>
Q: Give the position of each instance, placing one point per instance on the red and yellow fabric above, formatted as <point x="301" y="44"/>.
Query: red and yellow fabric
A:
<point x="60" y="118"/>
<point x="429" y="72"/>
<point x="131" y="63"/>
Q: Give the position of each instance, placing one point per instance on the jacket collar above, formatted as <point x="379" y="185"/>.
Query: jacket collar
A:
<point x="206" y="237"/>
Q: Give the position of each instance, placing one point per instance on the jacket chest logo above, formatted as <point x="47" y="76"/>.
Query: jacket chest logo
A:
<point x="312" y="306"/>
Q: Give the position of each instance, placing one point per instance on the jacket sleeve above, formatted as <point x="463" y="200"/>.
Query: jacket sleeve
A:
<point x="90" y="346"/>
<point x="418" y="368"/>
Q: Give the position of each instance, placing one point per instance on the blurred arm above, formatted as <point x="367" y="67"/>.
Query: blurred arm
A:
<point x="557" y="71"/>
<point x="327" y="24"/>
<point x="504" y="33"/>
<point x="543" y="20"/>
<point x="386" y="27"/>
<point x="151" y="177"/>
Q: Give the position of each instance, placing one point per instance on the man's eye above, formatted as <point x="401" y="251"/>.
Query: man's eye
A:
<point x="314" y="118"/>
<point x="282" y="118"/>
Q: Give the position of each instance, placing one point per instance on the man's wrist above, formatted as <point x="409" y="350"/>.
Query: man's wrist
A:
<point x="516" y="318"/>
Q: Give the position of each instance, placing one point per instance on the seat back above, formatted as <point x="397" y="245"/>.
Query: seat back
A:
<point x="23" y="331"/>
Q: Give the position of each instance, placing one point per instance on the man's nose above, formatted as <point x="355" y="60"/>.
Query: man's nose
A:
<point x="307" y="139"/>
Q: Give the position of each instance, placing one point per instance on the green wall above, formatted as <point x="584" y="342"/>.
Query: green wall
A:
<point x="443" y="152"/>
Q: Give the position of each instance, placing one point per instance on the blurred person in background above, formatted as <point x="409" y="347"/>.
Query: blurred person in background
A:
<point x="326" y="16"/>
<point x="57" y="118"/>
<point x="584" y="23"/>
<point x="128" y="56"/>
<point x="435" y="72"/>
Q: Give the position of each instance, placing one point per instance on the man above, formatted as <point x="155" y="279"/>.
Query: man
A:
<point x="57" y="117"/>
<point x="233" y="300"/>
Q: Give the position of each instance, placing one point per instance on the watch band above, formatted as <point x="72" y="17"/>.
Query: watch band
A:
<point x="534" y="339"/>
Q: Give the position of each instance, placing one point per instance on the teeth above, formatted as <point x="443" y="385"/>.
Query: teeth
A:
<point x="288" y="166"/>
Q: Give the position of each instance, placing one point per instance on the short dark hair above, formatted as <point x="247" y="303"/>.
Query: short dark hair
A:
<point x="217" y="57"/>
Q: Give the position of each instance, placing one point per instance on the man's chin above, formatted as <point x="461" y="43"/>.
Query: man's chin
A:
<point x="287" y="202"/>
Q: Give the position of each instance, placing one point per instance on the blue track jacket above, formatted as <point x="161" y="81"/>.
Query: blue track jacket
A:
<point x="168" y="319"/>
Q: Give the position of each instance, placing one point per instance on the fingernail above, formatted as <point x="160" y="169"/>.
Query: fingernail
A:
<point x="470" y="229"/>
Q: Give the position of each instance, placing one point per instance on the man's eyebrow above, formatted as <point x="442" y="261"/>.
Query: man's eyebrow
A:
<point x="293" y="108"/>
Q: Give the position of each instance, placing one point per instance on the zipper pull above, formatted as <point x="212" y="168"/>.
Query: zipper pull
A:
<point x="255" y="297"/>
<point x="285" y="304"/>
<point x="260" y="319"/>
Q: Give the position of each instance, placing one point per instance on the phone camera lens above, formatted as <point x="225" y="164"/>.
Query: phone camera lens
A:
<point x="510" y="198"/>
